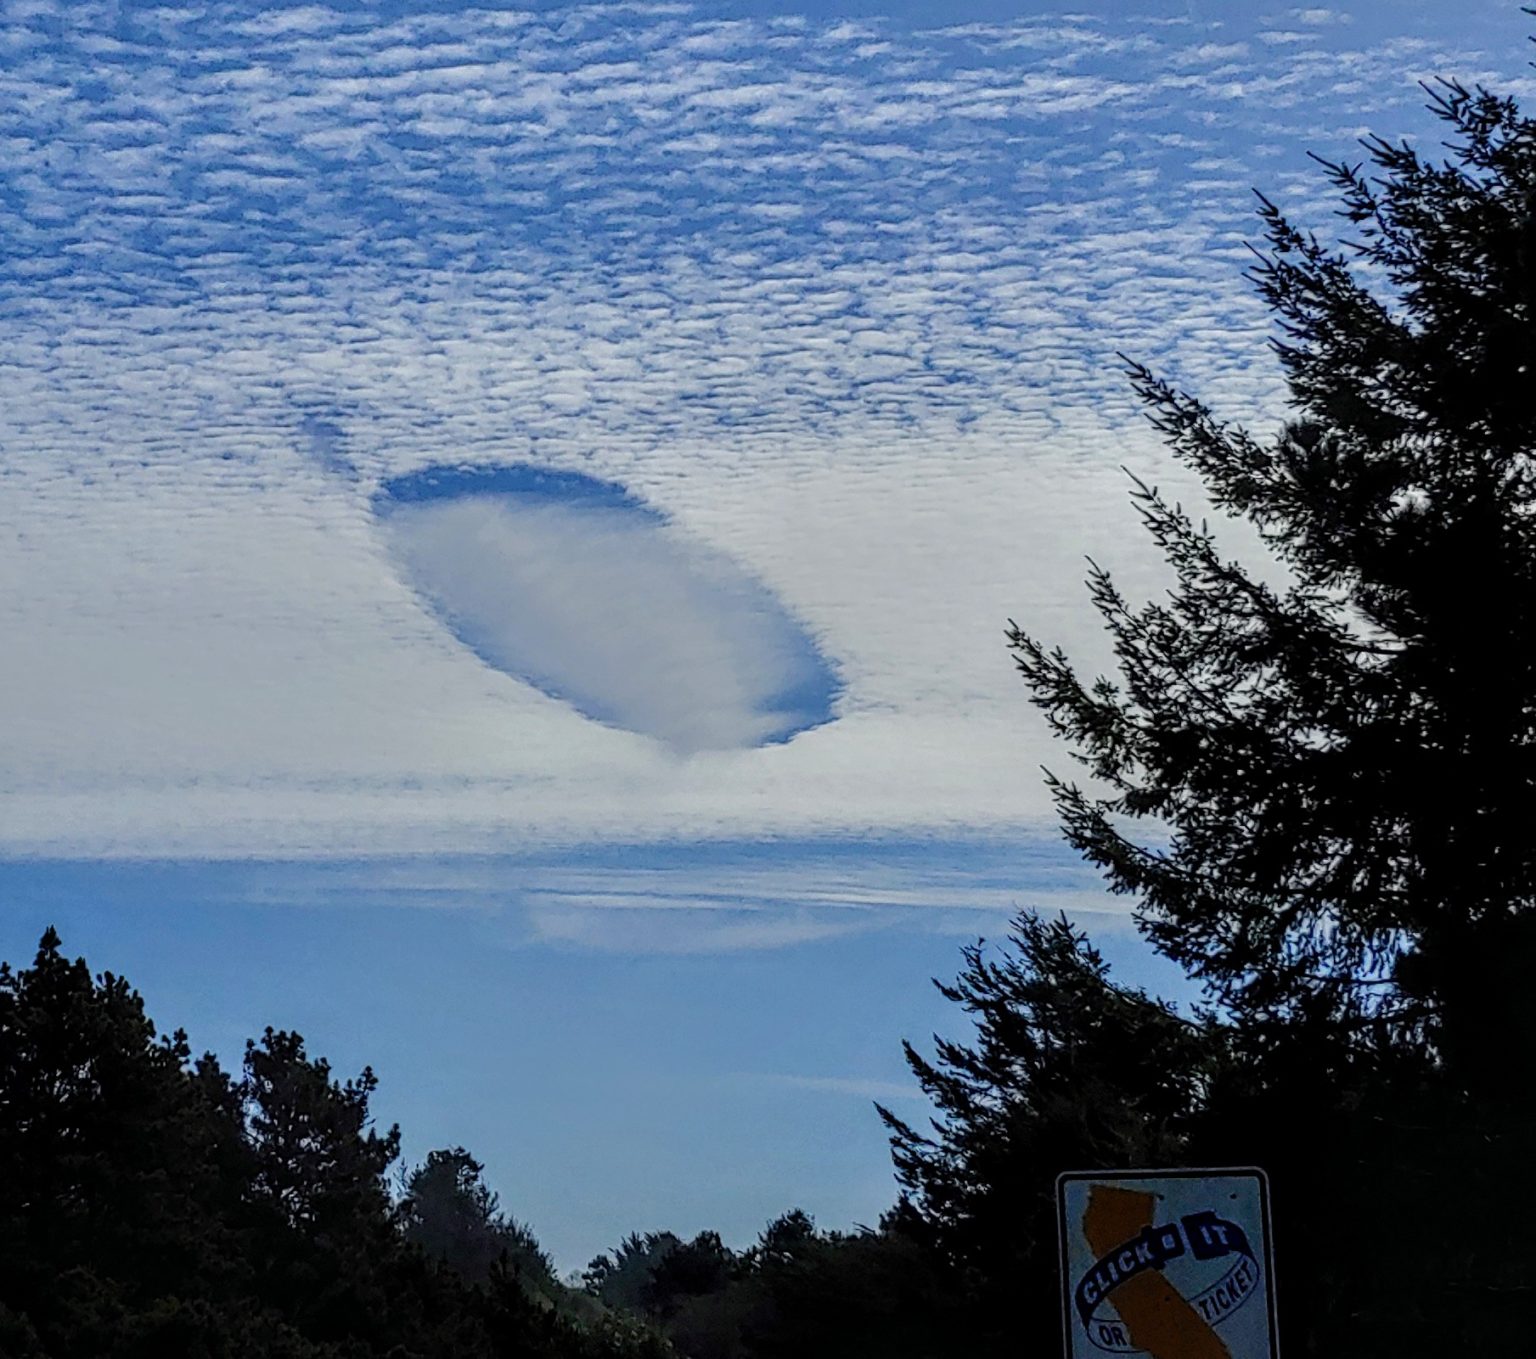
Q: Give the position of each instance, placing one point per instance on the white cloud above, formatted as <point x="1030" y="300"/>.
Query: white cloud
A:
<point x="805" y="891"/>
<point x="847" y="321"/>
<point x="858" y="1087"/>
<point x="653" y="933"/>
<point x="692" y="899"/>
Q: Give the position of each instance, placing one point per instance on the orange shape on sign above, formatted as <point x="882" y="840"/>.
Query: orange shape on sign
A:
<point x="1157" y="1318"/>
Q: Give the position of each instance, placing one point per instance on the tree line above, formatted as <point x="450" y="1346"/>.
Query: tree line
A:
<point x="1318" y="793"/>
<point x="153" y="1205"/>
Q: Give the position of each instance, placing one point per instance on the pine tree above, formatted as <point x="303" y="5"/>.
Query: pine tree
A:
<point x="1068" y="1069"/>
<point x="454" y="1216"/>
<point x="1345" y="765"/>
<point x="1318" y="793"/>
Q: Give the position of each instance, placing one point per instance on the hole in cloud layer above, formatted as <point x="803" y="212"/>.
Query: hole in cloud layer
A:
<point x="574" y="586"/>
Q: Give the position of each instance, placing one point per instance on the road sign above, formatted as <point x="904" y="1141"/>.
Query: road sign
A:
<point x="1174" y="1264"/>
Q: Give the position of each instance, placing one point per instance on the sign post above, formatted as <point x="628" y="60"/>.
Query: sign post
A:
<point x="1174" y="1264"/>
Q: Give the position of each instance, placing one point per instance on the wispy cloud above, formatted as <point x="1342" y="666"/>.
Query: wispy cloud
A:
<point x="715" y="897"/>
<point x="857" y="1087"/>
<point x="801" y="891"/>
<point x="668" y="934"/>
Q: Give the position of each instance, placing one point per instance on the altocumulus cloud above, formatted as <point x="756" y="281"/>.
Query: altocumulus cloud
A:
<point x="567" y="582"/>
<point x="834" y="304"/>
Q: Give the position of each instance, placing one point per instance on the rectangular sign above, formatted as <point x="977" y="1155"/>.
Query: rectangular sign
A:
<point x="1174" y="1264"/>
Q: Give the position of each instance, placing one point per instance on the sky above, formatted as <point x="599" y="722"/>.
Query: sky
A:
<point x="508" y="518"/>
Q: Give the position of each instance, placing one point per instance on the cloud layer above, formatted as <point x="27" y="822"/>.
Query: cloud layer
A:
<point x="838" y="300"/>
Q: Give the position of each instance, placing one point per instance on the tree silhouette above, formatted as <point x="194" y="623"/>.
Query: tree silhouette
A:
<point x="797" y="1292"/>
<point x="1067" y="1069"/>
<point x="1346" y="763"/>
<point x="623" y="1278"/>
<point x="1317" y="791"/>
<point x="452" y="1214"/>
<point x="153" y="1205"/>
<point x="865" y="1292"/>
<point x="107" y="1191"/>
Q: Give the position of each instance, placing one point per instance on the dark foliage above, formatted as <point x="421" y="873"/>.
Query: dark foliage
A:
<point x="1068" y="1069"/>
<point x="1347" y="763"/>
<point x="454" y="1216"/>
<point x="153" y="1206"/>
<point x="797" y="1293"/>
<point x="1333" y="780"/>
<point x="868" y="1292"/>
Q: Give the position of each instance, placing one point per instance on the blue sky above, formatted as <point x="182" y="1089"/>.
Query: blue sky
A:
<point x="668" y="1073"/>
<point x="667" y="788"/>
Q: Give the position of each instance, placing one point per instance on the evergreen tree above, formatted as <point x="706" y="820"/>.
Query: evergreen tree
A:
<point x="109" y="1202"/>
<point x="1346" y="763"/>
<point x="1333" y="777"/>
<point x="1349" y="764"/>
<point x="789" y="1237"/>
<point x="322" y="1233"/>
<point x="452" y="1214"/>
<point x="1067" y="1069"/>
<point x="797" y="1292"/>
<point x="864" y="1292"/>
<point x="152" y="1205"/>
<point x="691" y="1269"/>
<point x="623" y="1278"/>
<point x="318" y="1162"/>
<point x="655" y="1274"/>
